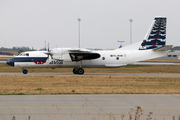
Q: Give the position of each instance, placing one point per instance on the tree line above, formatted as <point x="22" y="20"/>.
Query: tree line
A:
<point x="7" y="51"/>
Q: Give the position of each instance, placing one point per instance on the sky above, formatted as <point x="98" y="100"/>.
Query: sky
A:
<point x="103" y="22"/>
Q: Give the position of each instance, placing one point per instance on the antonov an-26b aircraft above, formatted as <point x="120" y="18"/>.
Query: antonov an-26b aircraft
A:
<point x="152" y="46"/>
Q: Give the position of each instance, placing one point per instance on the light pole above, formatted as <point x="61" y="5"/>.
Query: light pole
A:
<point x="130" y="20"/>
<point x="79" y="30"/>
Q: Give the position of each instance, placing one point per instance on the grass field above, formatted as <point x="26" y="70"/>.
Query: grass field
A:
<point x="74" y="84"/>
<point x="5" y="58"/>
<point x="10" y="51"/>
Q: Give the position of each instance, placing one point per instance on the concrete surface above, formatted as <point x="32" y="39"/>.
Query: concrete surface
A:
<point x="88" y="107"/>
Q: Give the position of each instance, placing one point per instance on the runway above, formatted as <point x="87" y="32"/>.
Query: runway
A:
<point x="2" y="61"/>
<point x="104" y="74"/>
<point x="88" y="107"/>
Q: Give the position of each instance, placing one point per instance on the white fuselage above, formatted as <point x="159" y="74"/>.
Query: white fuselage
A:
<point x="61" y="58"/>
<point x="152" y="46"/>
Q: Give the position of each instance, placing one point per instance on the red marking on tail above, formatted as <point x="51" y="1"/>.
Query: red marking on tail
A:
<point x="154" y="43"/>
<point x="156" y="38"/>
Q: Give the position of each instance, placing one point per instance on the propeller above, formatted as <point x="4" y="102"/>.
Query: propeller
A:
<point x="48" y="52"/>
<point x="48" y="46"/>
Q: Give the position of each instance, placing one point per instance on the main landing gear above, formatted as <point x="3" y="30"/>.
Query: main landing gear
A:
<point x="79" y="71"/>
<point x="24" y="71"/>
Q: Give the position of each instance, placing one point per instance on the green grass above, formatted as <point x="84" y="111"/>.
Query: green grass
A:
<point x="134" y="66"/>
<point x="39" y="89"/>
<point x="19" y="94"/>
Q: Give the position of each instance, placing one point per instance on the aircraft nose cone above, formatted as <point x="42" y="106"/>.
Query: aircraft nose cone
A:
<point x="10" y="62"/>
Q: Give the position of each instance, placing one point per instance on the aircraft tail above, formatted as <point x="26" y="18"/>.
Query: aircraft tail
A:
<point x="156" y="35"/>
<point x="154" y="38"/>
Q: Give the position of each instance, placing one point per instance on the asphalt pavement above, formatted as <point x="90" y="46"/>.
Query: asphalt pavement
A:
<point x="89" y="107"/>
<point x="104" y="74"/>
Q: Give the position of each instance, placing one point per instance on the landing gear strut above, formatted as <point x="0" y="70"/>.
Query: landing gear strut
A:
<point x="24" y="71"/>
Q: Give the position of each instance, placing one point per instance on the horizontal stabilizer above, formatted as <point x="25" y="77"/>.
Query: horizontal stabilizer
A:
<point x="163" y="48"/>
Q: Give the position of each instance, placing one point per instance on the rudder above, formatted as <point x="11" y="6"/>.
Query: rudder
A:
<point x="156" y="35"/>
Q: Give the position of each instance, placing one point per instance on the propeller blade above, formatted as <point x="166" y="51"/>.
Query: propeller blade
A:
<point x="48" y="52"/>
<point x="48" y="46"/>
<point x="45" y="45"/>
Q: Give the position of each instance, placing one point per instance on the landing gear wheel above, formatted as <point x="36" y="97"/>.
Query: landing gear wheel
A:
<point x="75" y="70"/>
<point x="80" y="71"/>
<point x="25" y="71"/>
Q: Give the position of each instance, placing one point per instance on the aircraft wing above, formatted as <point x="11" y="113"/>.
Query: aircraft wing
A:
<point x="78" y="54"/>
<point x="79" y="50"/>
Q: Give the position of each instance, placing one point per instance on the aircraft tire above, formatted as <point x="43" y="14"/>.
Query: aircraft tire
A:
<point x="75" y="71"/>
<point x="25" y="71"/>
<point x="80" y="71"/>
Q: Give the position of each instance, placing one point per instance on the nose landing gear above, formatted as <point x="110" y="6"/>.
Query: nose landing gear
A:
<point x="24" y="71"/>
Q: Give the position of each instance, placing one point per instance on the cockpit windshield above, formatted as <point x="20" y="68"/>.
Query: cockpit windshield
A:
<point x="23" y="54"/>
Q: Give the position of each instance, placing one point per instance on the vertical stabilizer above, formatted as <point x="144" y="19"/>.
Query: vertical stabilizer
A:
<point x="156" y="35"/>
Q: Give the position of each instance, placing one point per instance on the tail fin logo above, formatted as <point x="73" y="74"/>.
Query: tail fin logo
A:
<point x="156" y="36"/>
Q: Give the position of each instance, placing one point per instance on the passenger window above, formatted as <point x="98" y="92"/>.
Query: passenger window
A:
<point x="103" y="58"/>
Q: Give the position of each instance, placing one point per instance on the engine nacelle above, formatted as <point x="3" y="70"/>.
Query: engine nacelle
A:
<point x="60" y="54"/>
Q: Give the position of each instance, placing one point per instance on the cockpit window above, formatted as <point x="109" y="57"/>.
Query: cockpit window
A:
<point x="27" y="54"/>
<point x="24" y="54"/>
<point x="21" y="54"/>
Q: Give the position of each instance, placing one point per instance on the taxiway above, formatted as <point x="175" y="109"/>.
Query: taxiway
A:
<point x="81" y="107"/>
<point x="104" y="74"/>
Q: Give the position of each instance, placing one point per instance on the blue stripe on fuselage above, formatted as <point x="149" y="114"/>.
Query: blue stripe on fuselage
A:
<point x="27" y="59"/>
